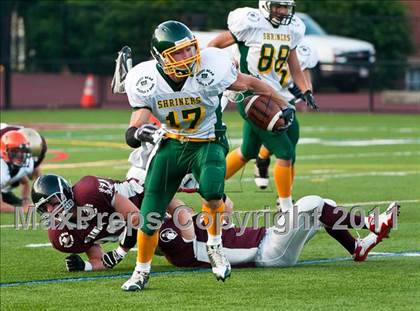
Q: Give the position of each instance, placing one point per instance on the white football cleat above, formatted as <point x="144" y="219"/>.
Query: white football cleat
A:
<point x="136" y="282"/>
<point x="261" y="176"/>
<point x="364" y="246"/>
<point x="219" y="263"/>
<point x="382" y="224"/>
<point x="123" y="64"/>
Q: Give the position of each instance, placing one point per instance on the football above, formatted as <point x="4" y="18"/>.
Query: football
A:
<point x="265" y="112"/>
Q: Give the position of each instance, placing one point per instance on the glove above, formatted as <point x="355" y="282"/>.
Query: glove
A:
<point x="111" y="259"/>
<point x="288" y="115"/>
<point x="74" y="263"/>
<point x="308" y="97"/>
<point x="145" y="133"/>
<point x="295" y="90"/>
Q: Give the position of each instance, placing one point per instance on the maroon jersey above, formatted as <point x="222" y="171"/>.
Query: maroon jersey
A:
<point x="98" y="195"/>
<point x="240" y="249"/>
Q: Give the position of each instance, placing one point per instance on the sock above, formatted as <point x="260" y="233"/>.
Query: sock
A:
<point x="286" y="204"/>
<point x="331" y="214"/>
<point x="214" y="230"/>
<point x="143" y="267"/>
<point x="283" y="181"/>
<point x="120" y="251"/>
<point x="146" y="245"/>
<point x="344" y="238"/>
<point x="264" y="153"/>
<point x="234" y="163"/>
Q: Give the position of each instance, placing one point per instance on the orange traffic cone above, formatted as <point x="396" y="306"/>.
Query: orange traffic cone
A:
<point x="88" y="98"/>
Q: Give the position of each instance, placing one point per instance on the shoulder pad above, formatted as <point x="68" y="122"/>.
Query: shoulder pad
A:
<point x="298" y="29"/>
<point x="307" y="55"/>
<point x="243" y="19"/>
<point x="141" y="83"/>
<point x="217" y="71"/>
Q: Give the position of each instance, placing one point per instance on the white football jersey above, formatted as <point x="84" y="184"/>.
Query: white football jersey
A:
<point x="195" y="110"/>
<point x="6" y="180"/>
<point x="308" y="59"/>
<point x="264" y="49"/>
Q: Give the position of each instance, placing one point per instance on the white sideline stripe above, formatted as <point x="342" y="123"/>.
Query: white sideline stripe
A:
<point x="179" y="272"/>
<point x="37" y="245"/>
<point x="342" y="175"/>
<point x="358" y="155"/>
<point x="85" y="164"/>
<point x="346" y="143"/>
<point x="307" y="157"/>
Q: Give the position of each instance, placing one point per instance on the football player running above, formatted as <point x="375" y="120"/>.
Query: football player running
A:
<point x="182" y="237"/>
<point x="17" y="165"/>
<point x="182" y="88"/>
<point x="308" y="59"/>
<point x="267" y="39"/>
<point x="93" y="211"/>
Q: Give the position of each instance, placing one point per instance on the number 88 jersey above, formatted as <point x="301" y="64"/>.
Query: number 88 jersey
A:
<point x="264" y="49"/>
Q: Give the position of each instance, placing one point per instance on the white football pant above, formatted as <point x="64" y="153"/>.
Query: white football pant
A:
<point x="281" y="247"/>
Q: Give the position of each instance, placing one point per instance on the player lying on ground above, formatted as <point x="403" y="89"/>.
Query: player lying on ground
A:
<point x="57" y="201"/>
<point x="184" y="245"/>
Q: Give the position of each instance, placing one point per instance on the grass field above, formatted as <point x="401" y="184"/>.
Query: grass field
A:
<point x="355" y="159"/>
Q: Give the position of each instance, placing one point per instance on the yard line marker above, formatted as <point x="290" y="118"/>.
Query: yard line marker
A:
<point x="200" y="270"/>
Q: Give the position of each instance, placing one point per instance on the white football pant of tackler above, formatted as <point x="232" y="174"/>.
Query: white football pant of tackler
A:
<point x="282" y="248"/>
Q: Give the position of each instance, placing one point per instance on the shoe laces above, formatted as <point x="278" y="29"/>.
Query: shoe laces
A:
<point x="217" y="256"/>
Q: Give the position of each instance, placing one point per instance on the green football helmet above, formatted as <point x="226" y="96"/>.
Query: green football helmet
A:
<point x="168" y="39"/>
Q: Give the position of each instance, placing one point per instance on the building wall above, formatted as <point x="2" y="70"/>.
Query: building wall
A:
<point x="413" y="10"/>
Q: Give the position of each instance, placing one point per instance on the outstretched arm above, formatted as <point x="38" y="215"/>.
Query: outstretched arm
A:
<point x="222" y="41"/>
<point x="249" y="83"/>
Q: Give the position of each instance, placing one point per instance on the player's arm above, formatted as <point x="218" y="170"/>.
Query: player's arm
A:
<point x="182" y="217"/>
<point x="296" y="72"/>
<point x="75" y="263"/>
<point x="308" y="78"/>
<point x="300" y="80"/>
<point x="26" y="188"/>
<point x="139" y="131"/>
<point x="126" y="208"/>
<point x="5" y="207"/>
<point x="249" y="83"/>
<point x="222" y="40"/>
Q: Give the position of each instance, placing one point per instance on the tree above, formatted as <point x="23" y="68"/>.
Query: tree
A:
<point x="85" y="35"/>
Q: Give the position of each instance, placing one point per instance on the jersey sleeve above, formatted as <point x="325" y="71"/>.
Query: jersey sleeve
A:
<point x="298" y="31"/>
<point x="139" y="86"/>
<point x="4" y="174"/>
<point x="97" y="192"/>
<point x="307" y="55"/>
<point x="218" y="71"/>
<point x="241" y="22"/>
<point x="68" y="241"/>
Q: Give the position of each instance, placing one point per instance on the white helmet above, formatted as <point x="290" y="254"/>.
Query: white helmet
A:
<point x="35" y="140"/>
<point x="276" y="19"/>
